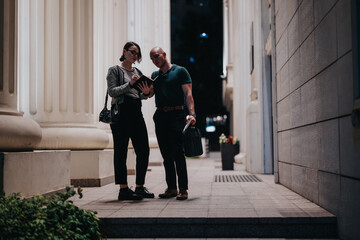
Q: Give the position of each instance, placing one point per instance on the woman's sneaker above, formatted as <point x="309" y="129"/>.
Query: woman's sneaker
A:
<point x="128" y="194"/>
<point x="144" y="192"/>
<point x="169" y="193"/>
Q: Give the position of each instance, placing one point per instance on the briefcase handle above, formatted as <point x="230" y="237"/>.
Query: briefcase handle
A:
<point x="186" y="126"/>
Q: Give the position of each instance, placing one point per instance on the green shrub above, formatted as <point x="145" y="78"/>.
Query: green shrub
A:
<point x="46" y="217"/>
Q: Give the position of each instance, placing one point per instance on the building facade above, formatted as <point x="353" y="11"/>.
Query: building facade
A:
<point x="314" y="85"/>
<point x="291" y="83"/>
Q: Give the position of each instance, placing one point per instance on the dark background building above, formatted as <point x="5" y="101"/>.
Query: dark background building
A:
<point x="197" y="44"/>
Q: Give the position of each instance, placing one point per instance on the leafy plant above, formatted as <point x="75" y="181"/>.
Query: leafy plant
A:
<point x="46" y="217"/>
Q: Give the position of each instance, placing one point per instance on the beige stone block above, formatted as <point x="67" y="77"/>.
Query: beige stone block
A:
<point x="291" y="7"/>
<point x="281" y="20"/>
<point x="310" y="146"/>
<point x="327" y="94"/>
<point x="304" y="182"/>
<point x="282" y="54"/>
<point x="325" y="42"/>
<point x="296" y="141"/>
<point x="298" y="179"/>
<point x="344" y="72"/>
<point x="283" y="83"/>
<point x="278" y="4"/>
<point x="321" y="8"/>
<point x="93" y="164"/>
<point x="309" y="93"/>
<point x="293" y="34"/>
<point x="295" y="75"/>
<point x="95" y="168"/>
<point x="349" y="149"/>
<point x="343" y="26"/>
<point x="284" y="114"/>
<point x="285" y="174"/>
<point x="285" y="146"/>
<point x="311" y="187"/>
<point x="329" y="146"/>
<point x="307" y="58"/>
<point x="278" y="87"/>
<point x="306" y="18"/>
<point x="39" y="172"/>
<point x="329" y="192"/>
<point x="295" y="109"/>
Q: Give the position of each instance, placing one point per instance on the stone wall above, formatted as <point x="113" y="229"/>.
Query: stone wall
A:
<point x="319" y="150"/>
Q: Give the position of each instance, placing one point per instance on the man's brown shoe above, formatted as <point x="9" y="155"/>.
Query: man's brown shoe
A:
<point x="169" y="193"/>
<point x="183" y="195"/>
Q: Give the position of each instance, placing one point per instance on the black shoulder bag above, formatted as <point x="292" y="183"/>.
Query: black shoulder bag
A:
<point x="105" y="114"/>
<point x="110" y="115"/>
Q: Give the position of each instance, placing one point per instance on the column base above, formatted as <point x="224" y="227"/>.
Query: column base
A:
<point x="95" y="168"/>
<point x="95" y="182"/>
<point x="73" y="138"/>
<point x="18" y="133"/>
<point x="30" y="173"/>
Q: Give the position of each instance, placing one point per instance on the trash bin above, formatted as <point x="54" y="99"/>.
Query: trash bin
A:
<point x="227" y="156"/>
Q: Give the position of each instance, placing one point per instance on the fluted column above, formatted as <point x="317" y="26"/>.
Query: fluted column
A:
<point x="110" y="27"/>
<point x="16" y="132"/>
<point x="149" y="26"/>
<point x="56" y="72"/>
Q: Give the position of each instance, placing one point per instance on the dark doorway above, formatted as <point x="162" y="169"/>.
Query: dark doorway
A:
<point x="197" y="45"/>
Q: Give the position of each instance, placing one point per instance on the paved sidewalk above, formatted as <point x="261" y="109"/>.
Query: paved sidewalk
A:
<point x="207" y="198"/>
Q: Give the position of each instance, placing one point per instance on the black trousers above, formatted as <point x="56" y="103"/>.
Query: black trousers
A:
<point x="131" y="126"/>
<point x="168" y="128"/>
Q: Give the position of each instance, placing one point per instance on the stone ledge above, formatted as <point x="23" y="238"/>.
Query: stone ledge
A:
<point x="99" y="182"/>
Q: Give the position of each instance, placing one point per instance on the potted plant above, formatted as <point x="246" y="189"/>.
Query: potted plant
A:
<point x="229" y="147"/>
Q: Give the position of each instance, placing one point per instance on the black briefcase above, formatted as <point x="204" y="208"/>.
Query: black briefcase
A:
<point x="192" y="141"/>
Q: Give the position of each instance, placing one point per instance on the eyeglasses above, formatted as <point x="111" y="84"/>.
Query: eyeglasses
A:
<point x="133" y="52"/>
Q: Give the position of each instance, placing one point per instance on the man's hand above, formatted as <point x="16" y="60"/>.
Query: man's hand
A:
<point x="191" y="118"/>
<point x="145" y="88"/>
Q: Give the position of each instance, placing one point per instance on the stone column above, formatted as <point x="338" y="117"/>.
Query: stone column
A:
<point x="41" y="172"/>
<point x="16" y="132"/>
<point x="56" y="73"/>
<point x="149" y="26"/>
<point x="240" y="53"/>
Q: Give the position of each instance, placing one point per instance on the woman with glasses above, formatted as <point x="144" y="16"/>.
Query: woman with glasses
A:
<point x="129" y="123"/>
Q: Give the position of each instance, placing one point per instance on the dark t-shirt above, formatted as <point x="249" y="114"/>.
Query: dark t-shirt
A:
<point x="168" y="86"/>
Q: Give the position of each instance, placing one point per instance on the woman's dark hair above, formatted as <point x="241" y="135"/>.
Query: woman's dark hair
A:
<point x="127" y="46"/>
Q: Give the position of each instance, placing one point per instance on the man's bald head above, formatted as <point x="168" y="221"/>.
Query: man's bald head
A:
<point x="158" y="50"/>
<point x="158" y="57"/>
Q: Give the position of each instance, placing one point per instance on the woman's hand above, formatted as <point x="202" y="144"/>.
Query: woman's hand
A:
<point x="134" y="78"/>
<point x="145" y="88"/>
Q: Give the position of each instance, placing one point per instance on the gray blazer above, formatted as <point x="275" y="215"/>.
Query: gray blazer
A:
<point x="117" y="86"/>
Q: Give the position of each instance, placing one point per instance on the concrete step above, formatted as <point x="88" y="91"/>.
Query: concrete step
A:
<point x="293" y="227"/>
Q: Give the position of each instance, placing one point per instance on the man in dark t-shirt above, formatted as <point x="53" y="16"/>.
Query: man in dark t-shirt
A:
<point x="173" y="91"/>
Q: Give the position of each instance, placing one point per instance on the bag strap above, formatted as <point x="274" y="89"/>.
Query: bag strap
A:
<point x="106" y="99"/>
